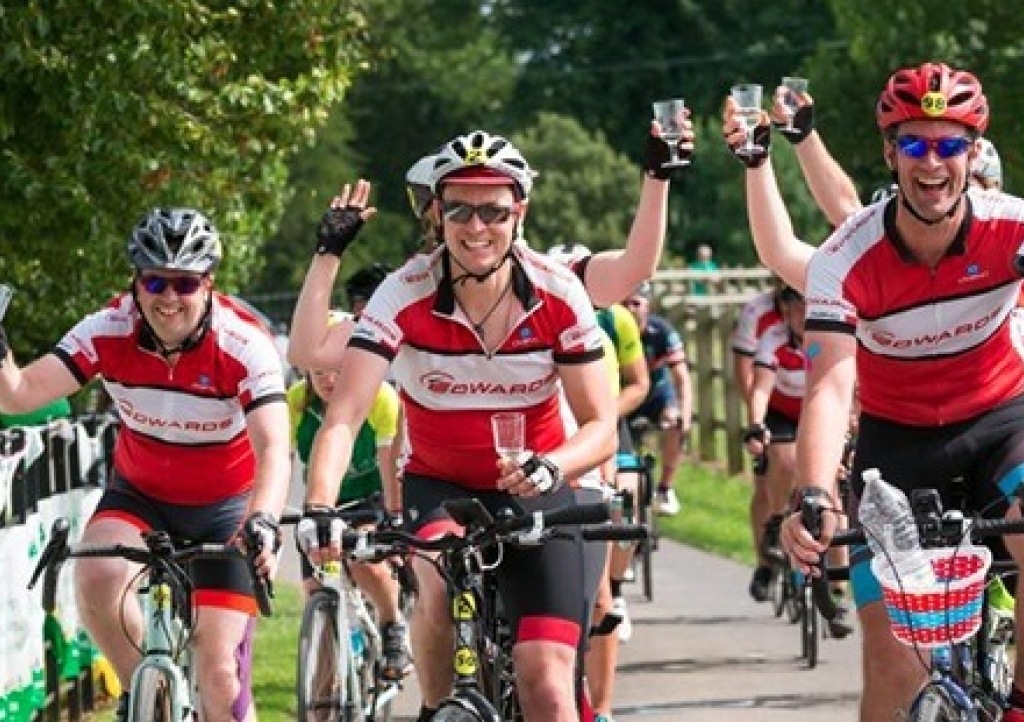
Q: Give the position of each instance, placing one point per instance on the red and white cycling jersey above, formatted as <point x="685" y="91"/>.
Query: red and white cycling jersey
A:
<point x="450" y="385"/>
<point x="182" y="438"/>
<point x="779" y="351"/>
<point x="757" y="316"/>
<point x="934" y="345"/>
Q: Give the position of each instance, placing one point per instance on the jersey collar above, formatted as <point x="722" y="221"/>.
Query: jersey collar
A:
<point x="957" y="248"/>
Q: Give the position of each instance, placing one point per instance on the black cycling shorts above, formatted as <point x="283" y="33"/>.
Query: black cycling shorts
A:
<point x="222" y="583"/>
<point x="543" y="588"/>
<point x="976" y="465"/>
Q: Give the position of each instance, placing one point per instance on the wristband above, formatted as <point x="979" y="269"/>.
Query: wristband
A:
<point x="338" y="228"/>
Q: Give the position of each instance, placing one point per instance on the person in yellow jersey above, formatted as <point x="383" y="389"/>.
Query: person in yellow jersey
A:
<point x="371" y="472"/>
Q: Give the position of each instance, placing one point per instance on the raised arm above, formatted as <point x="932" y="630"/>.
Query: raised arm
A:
<point x="772" y="230"/>
<point x="312" y="343"/>
<point x="832" y="188"/>
<point x="590" y="398"/>
<point x="612" y="275"/>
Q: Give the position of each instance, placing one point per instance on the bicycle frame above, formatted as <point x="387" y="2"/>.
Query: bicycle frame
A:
<point x="169" y="657"/>
<point x="353" y="617"/>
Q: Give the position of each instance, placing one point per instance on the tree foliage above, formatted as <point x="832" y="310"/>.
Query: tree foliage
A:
<point x="108" y="107"/>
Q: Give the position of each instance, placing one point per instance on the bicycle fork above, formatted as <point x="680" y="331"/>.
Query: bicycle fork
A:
<point x="161" y="654"/>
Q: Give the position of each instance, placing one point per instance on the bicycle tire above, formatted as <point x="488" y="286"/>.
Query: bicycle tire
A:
<point x="793" y="604"/>
<point x="934" y="704"/>
<point x="809" y="627"/>
<point x="153" y="692"/>
<point x="778" y="590"/>
<point x="320" y="686"/>
<point x="453" y="712"/>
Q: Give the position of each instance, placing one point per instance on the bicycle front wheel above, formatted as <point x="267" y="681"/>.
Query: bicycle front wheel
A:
<point x="152" y="697"/>
<point x="809" y="627"/>
<point x="934" y="704"/>
<point x="321" y="686"/>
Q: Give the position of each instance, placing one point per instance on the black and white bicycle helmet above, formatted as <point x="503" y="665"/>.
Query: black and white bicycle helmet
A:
<point x="479" y="157"/>
<point x="175" y="239"/>
<point x="884" y="193"/>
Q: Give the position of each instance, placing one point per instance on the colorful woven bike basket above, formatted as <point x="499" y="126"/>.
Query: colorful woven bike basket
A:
<point x="941" y="613"/>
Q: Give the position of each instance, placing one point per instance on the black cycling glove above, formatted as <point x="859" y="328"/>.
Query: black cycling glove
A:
<point x="261" y="531"/>
<point x="657" y="154"/>
<point x="542" y="473"/>
<point x="338" y="228"/>
<point x="762" y="148"/>
<point x="803" y="124"/>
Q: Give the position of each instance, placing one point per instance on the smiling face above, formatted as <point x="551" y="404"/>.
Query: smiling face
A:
<point x="475" y="244"/>
<point x="173" y="302"/>
<point x="931" y="184"/>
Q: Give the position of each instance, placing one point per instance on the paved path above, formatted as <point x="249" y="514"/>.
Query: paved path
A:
<point x="703" y="651"/>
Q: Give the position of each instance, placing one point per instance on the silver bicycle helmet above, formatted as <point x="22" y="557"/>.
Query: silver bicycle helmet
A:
<point x="482" y="158"/>
<point x="418" y="185"/>
<point x="174" y="239"/>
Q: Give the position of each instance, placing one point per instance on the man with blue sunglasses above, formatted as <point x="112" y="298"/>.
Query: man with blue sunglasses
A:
<point x="202" y="450"/>
<point x="912" y="298"/>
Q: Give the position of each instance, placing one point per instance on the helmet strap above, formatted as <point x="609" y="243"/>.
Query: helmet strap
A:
<point x="479" y="277"/>
<point x="914" y="212"/>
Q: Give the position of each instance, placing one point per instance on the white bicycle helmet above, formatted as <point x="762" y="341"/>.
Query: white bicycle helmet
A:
<point x="987" y="163"/>
<point x="418" y="184"/>
<point x="174" y="239"/>
<point x="568" y="253"/>
<point x="884" y="193"/>
<point x="481" y="151"/>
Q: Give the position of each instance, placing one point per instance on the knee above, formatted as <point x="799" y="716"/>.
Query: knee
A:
<point x="97" y="581"/>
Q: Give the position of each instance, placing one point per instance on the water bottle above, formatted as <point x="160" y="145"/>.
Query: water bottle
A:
<point x="891" y="531"/>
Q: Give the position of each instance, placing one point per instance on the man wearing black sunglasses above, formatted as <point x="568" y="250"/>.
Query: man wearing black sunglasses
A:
<point x="913" y="298"/>
<point x="202" y="452"/>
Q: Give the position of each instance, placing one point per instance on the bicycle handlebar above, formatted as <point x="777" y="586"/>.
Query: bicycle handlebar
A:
<point x="935" y="530"/>
<point x="159" y="550"/>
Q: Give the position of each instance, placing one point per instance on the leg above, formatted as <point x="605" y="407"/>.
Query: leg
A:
<point x="892" y="672"/>
<point x="100" y="586"/>
<point x="223" y="654"/>
<point x="1015" y="545"/>
<point x="545" y="680"/>
<point x="602" y="654"/>
<point x="432" y="635"/>
<point x="381" y="586"/>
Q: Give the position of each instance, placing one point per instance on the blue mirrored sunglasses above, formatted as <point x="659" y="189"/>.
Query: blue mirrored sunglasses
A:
<point x="914" y="146"/>
<point x="182" y="285"/>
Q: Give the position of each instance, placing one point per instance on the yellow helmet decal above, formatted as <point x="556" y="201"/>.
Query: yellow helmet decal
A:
<point x="933" y="103"/>
<point x="476" y="156"/>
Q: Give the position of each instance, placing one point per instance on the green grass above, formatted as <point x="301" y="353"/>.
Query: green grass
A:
<point x="714" y="513"/>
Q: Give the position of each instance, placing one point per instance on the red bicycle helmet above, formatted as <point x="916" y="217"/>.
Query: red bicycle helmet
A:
<point x="933" y="91"/>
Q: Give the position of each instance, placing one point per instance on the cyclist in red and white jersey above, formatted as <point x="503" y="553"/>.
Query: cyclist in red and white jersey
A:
<point x="912" y="298"/>
<point x="202" y="451"/>
<point x="481" y="325"/>
<point x="757" y="317"/>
